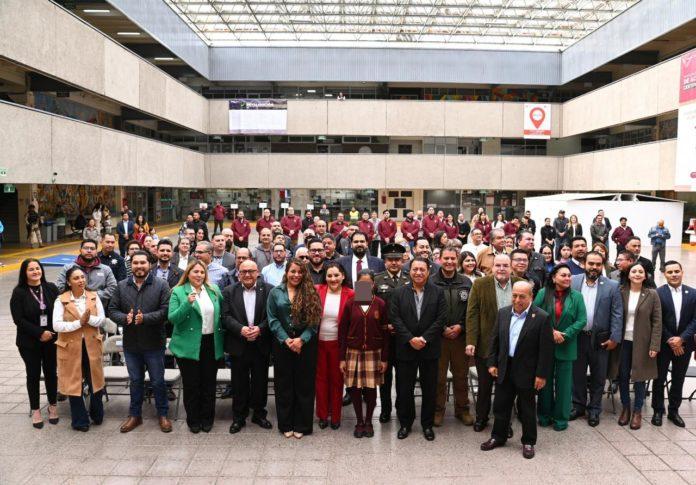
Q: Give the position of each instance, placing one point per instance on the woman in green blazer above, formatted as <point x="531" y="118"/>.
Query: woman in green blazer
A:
<point x="569" y="317"/>
<point x="197" y="338"/>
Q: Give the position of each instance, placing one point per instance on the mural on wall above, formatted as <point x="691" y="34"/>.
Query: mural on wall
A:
<point x="69" y="200"/>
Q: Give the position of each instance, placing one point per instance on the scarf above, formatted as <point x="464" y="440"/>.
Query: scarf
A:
<point x="87" y="265"/>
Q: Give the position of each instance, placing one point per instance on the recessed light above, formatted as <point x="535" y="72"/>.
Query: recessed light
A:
<point x="328" y="95"/>
<point x="128" y="34"/>
<point x="311" y="90"/>
<point x="164" y="58"/>
<point x="96" y="10"/>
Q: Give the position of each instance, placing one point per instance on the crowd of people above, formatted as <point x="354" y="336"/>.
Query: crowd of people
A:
<point x="348" y="304"/>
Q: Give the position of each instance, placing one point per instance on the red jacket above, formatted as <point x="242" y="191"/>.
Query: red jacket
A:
<point x="337" y="227"/>
<point x="510" y="229"/>
<point x="263" y="223"/>
<point x="451" y="231"/>
<point x="219" y="213"/>
<point x="241" y="230"/>
<point x="621" y="236"/>
<point x="431" y="224"/>
<point x="411" y="228"/>
<point x="485" y="229"/>
<point x="346" y="294"/>
<point x="291" y="223"/>
<point x="387" y="229"/>
<point x="367" y="228"/>
<point x="364" y="331"/>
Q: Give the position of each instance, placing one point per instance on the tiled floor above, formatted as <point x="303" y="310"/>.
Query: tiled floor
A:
<point x="56" y="454"/>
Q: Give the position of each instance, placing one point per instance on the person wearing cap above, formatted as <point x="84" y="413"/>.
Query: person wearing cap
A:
<point x="560" y="224"/>
<point x="385" y="283"/>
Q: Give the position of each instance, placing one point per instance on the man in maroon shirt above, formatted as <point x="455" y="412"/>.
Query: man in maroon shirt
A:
<point x="265" y="221"/>
<point x="338" y="226"/>
<point x="292" y="225"/>
<point x="386" y="229"/>
<point x="512" y="227"/>
<point x="365" y="225"/>
<point x="431" y="224"/>
<point x="241" y="230"/>
<point x="218" y="217"/>
<point x="410" y="228"/>
<point x="621" y="235"/>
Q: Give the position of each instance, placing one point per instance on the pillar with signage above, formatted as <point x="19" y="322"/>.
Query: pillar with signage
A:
<point x="685" y="167"/>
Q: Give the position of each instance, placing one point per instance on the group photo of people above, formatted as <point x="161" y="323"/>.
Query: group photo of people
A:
<point x="332" y="315"/>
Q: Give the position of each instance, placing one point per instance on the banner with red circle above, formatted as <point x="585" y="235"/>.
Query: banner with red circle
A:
<point x="537" y="121"/>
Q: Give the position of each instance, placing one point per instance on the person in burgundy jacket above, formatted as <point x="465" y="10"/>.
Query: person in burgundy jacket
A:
<point x="292" y="225"/>
<point x="485" y="226"/>
<point x="338" y="225"/>
<point x="386" y="229"/>
<point x="410" y="228"/>
<point x="328" y="381"/>
<point x="450" y="228"/>
<point x="621" y="235"/>
<point x="365" y="225"/>
<point x="512" y="227"/>
<point x="266" y="220"/>
<point x="241" y="230"/>
<point x="218" y="217"/>
<point x="431" y="224"/>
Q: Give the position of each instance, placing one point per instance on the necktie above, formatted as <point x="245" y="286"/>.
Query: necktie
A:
<point x="358" y="266"/>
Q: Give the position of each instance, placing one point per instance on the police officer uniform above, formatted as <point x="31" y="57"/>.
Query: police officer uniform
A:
<point x="385" y="284"/>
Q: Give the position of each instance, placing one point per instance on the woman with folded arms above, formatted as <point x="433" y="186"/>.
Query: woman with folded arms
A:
<point x="31" y="306"/>
<point x="364" y="342"/>
<point x="294" y="312"/>
<point x="77" y="316"/>
<point x="197" y="342"/>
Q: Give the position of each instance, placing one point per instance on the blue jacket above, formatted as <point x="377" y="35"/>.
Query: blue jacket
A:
<point x="608" y="310"/>
<point x="658" y="235"/>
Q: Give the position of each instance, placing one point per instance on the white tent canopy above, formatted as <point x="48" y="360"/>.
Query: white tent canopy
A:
<point x="642" y="212"/>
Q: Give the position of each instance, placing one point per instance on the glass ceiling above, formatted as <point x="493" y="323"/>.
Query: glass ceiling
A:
<point x="507" y="24"/>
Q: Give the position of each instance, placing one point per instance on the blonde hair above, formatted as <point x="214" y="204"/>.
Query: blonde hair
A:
<point x="189" y="268"/>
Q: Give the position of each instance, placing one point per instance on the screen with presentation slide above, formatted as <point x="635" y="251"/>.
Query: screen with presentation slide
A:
<point x="267" y="116"/>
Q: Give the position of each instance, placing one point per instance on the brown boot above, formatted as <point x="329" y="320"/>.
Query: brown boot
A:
<point x="165" y="425"/>
<point x="131" y="423"/>
<point x="637" y="420"/>
<point x="625" y="416"/>
<point x="465" y="417"/>
<point x="437" y="420"/>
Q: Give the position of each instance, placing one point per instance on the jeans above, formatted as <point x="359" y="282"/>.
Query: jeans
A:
<point x="136" y="363"/>
<point x="625" y="378"/>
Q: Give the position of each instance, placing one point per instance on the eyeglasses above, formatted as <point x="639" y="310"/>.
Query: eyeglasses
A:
<point x="316" y="250"/>
<point x="248" y="271"/>
<point x="303" y="257"/>
<point x="519" y="260"/>
<point x="200" y="251"/>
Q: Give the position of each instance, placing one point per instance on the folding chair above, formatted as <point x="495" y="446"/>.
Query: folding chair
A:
<point x="172" y="378"/>
<point x="114" y="374"/>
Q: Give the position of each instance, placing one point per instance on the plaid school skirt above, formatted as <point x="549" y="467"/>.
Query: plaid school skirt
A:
<point x="362" y="369"/>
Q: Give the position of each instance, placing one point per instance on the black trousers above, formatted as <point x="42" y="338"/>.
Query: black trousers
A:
<point x="34" y="360"/>
<point x="505" y="394"/>
<point x="216" y="225"/>
<point x="294" y="376"/>
<point x="485" y="390"/>
<point x="374" y="247"/>
<point x="198" y="378"/>
<point x="249" y="383"/>
<point x="385" y="390"/>
<point x="680" y="365"/>
<point x="597" y="358"/>
<point x="406" y="371"/>
<point x="242" y="244"/>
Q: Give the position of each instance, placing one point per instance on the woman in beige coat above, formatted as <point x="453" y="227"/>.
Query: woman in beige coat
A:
<point x="77" y="316"/>
<point x="641" y="342"/>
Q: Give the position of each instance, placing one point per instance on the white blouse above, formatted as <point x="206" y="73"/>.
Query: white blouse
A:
<point x="328" y="329"/>
<point x="183" y="262"/>
<point x="60" y="325"/>
<point x="207" y="311"/>
<point x="633" y="297"/>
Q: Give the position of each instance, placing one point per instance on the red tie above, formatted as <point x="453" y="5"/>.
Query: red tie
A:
<point x="358" y="266"/>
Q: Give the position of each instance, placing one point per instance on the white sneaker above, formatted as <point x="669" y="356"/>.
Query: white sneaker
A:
<point x="298" y="435"/>
<point x="288" y="434"/>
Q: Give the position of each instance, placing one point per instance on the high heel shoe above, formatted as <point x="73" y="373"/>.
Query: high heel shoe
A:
<point x="53" y="414"/>
<point x="36" y="419"/>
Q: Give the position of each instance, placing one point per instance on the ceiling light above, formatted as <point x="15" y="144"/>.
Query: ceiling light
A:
<point x="128" y="34"/>
<point x="96" y="10"/>
<point x="328" y="95"/>
<point x="311" y="90"/>
<point x="164" y="58"/>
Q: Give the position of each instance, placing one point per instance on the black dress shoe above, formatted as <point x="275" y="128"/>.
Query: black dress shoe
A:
<point x="657" y="419"/>
<point x="236" y="427"/>
<point x="429" y="434"/>
<point x="510" y="433"/>
<point x="676" y="419"/>
<point x="491" y="444"/>
<point x="593" y="420"/>
<point x="347" y="401"/>
<point x="323" y="423"/>
<point x="403" y="432"/>
<point x="195" y="428"/>
<point x="84" y="429"/>
<point x="480" y="425"/>
<point x="528" y="451"/>
<point x="206" y="428"/>
<point x="262" y="422"/>
<point x="97" y="422"/>
<point x="335" y="425"/>
<point x="384" y="417"/>
<point x="575" y="414"/>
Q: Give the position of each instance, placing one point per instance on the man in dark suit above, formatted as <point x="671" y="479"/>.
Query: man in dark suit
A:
<point x="678" y="303"/>
<point x="360" y="259"/>
<point x="634" y="245"/>
<point x="125" y="232"/>
<point x="418" y="313"/>
<point x="601" y="334"/>
<point x="248" y="342"/>
<point x="521" y="359"/>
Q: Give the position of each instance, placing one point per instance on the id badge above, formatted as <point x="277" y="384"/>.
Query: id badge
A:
<point x="44" y="320"/>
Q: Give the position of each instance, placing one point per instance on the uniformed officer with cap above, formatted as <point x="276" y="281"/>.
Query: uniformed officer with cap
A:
<point x="385" y="283"/>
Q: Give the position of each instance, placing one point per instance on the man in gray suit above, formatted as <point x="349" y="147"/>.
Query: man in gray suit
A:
<point x="220" y="256"/>
<point x="601" y="334"/>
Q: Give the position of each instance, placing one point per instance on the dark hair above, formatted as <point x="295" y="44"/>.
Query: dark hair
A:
<point x="546" y="246"/>
<point x="450" y="248"/>
<point x="577" y="238"/>
<point x="279" y="244"/>
<point x="313" y="240"/>
<point x="141" y="252"/>
<point x="524" y="231"/>
<point x="672" y="261"/>
<point x="622" y="219"/>
<point x="421" y="238"/>
<point x="164" y="242"/>
<point x="633" y="238"/>
<point x="85" y="241"/>
<point x="131" y="242"/>
<point x="645" y="271"/>
<point x="22" y="282"/>
<point x="366" y="272"/>
<point x="420" y="259"/>
<point x="467" y="254"/>
<point x="438" y="237"/>
<point x="595" y="253"/>
<point x="68" y="274"/>
<point x="563" y="245"/>
<point x="519" y="251"/>
<point x="305" y="308"/>
<point x="328" y="236"/>
<point x="550" y="286"/>
<point x="358" y="233"/>
<point x="627" y="254"/>
<point x="341" y="269"/>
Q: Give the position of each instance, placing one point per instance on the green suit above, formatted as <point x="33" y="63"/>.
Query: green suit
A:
<point x="187" y="322"/>
<point x="556" y="396"/>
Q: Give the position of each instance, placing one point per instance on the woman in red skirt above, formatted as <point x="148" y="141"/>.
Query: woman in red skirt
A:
<point x="364" y="341"/>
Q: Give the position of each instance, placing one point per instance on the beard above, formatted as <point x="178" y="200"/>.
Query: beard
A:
<point x="359" y="251"/>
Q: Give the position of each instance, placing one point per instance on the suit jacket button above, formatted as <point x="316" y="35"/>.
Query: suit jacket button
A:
<point x="191" y="328"/>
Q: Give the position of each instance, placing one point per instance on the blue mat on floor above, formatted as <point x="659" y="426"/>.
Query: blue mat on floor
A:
<point x="59" y="260"/>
